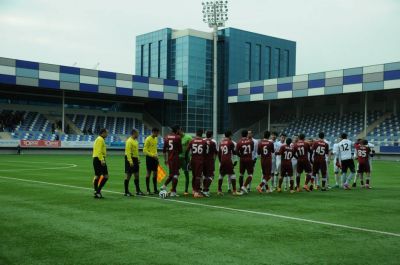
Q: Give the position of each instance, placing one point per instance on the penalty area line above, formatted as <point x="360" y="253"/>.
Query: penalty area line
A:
<point x="220" y="208"/>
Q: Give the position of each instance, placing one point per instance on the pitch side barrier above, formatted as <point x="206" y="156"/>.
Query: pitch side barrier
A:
<point x="57" y="147"/>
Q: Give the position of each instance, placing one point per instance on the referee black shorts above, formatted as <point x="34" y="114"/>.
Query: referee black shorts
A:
<point x="99" y="169"/>
<point x="151" y="163"/>
<point x="132" y="169"/>
<point x="348" y="164"/>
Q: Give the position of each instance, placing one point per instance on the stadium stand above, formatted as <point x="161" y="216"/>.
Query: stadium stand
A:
<point x="36" y="125"/>
<point x="387" y="132"/>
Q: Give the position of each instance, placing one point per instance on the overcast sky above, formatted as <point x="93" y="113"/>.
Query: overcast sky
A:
<point x="330" y="34"/>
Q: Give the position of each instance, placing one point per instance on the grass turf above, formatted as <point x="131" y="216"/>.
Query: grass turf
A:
<point x="47" y="224"/>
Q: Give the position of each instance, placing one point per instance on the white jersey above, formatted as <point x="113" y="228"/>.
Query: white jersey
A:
<point x="330" y="150"/>
<point x="344" y="149"/>
<point x="234" y="157"/>
<point x="294" y="160"/>
<point x="335" y="150"/>
<point x="255" y="151"/>
<point x="277" y="146"/>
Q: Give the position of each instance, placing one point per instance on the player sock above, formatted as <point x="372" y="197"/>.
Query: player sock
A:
<point x="95" y="184"/>
<point x="324" y="180"/>
<point x="147" y="183"/>
<point x="291" y="184"/>
<point x="220" y="183"/>
<point x="169" y="179"/>
<point x="308" y="178"/>
<point x="233" y="181"/>
<point x="206" y="183"/>
<point x="174" y="183"/>
<point x="248" y="180"/>
<point x="101" y="185"/>
<point x="343" y="178"/>
<point x="241" y="181"/>
<point x="349" y="177"/>
<point x="126" y="185"/>
<point x="154" y="183"/>
<point x="298" y="181"/>
<point x="136" y="181"/>
<point x="280" y="182"/>
<point x="187" y="181"/>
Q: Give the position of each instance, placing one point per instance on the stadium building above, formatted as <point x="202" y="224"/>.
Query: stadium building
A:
<point x="54" y="106"/>
<point x="187" y="55"/>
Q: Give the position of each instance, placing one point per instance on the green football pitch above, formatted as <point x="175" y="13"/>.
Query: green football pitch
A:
<point x="48" y="216"/>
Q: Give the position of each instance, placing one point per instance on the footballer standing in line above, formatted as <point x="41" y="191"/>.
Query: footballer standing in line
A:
<point x="346" y="160"/>
<point x="150" y="150"/>
<point x="244" y="149"/>
<point x="99" y="163"/>
<point x="209" y="163"/>
<point x="265" y="150"/>
<point x="197" y="148"/>
<point x="185" y="138"/>
<point x="286" y="152"/>
<point x="320" y="150"/>
<point x="254" y="154"/>
<point x="362" y="155"/>
<point x="226" y="151"/>
<point x="302" y="151"/>
<point x="172" y="149"/>
<point x="132" y="163"/>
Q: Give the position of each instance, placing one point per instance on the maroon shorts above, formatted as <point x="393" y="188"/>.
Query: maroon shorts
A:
<point x="319" y="165"/>
<point x="197" y="168"/>
<point x="363" y="167"/>
<point x="286" y="168"/>
<point x="303" y="165"/>
<point x="266" y="166"/>
<point x="209" y="168"/>
<point x="226" y="167"/>
<point x="246" y="165"/>
<point x="173" y="166"/>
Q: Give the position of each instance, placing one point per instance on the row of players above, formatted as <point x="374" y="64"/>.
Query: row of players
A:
<point x="289" y="159"/>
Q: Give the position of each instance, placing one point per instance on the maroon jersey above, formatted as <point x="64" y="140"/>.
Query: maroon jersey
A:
<point x="245" y="148"/>
<point x="172" y="146"/>
<point x="362" y="153"/>
<point x="226" y="150"/>
<point x="286" y="152"/>
<point x="211" y="149"/>
<point x="302" y="150"/>
<point x="321" y="149"/>
<point x="198" y="148"/>
<point x="265" y="149"/>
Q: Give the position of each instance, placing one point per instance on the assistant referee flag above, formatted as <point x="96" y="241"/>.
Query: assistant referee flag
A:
<point x="161" y="174"/>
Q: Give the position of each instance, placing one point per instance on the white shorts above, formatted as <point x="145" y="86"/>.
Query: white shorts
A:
<point x="278" y="164"/>
<point x="273" y="168"/>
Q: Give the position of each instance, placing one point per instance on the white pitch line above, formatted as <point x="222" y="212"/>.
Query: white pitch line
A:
<point x="222" y="208"/>
<point x="67" y="165"/>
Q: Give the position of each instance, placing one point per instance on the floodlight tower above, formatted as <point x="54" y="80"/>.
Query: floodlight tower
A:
<point x="215" y="13"/>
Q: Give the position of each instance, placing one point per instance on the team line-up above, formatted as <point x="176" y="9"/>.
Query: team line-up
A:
<point x="281" y="160"/>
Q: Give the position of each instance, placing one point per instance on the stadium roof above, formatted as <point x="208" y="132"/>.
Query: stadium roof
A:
<point x="59" y="77"/>
<point x="359" y="79"/>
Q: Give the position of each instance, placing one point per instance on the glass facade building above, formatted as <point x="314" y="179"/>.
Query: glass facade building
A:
<point x="187" y="55"/>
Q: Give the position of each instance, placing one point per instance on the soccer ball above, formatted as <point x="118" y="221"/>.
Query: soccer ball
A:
<point x="163" y="194"/>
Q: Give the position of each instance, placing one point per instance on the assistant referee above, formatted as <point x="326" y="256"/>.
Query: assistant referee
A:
<point x="132" y="163"/>
<point x="150" y="150"/>
<point x="99" y="163"/>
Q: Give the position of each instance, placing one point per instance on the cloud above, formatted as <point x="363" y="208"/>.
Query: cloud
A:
<point x="329" y="34"/>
